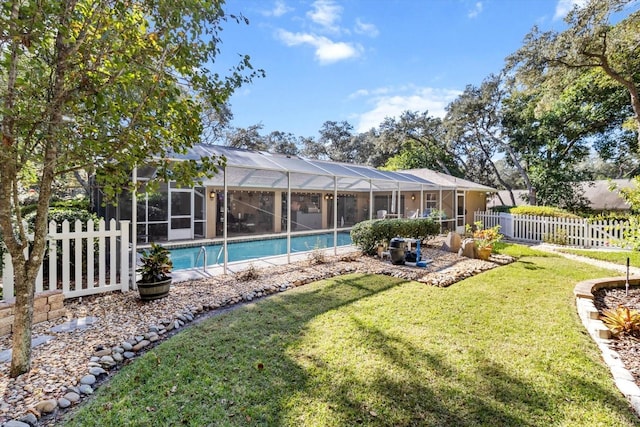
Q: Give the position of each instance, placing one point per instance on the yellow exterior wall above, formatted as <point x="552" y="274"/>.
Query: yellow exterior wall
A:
<point x="475" y="201"/>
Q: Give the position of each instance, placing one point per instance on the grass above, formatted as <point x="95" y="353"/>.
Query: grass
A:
<point x="519" y="251"/>
<point x="617" y="257"/>
<point x="502" y="348"/>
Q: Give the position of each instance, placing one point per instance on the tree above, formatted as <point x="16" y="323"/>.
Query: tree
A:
<point x="591" y="42"/>
<point x="412" y="130"/>
<point x="412" y="156"/>
<point x="474" y="124"/>
<point x="247" y="138"/>
<point x="283" y="143"/>
<point x="313" y="149"/>
<point x="104" y="84"/>
<point x="338" y="139"/>
<point x="215" y="122"/>
<point x="552" y="137"/>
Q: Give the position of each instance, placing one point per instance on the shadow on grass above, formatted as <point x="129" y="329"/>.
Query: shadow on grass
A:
<point x="247" y="367"/>
<point x="530" y="265"/>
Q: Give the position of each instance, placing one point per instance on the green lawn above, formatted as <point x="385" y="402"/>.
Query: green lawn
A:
<point x="618" y="257"/>
<point x="504" y="348"/>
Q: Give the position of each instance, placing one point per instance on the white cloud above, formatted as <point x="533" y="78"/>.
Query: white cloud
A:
<point x="477" y="10"/>
<point x="327" y="51"/>
<point x="428" y="99"/>
<point x="366" y="29"/>
<point x="564" y="7"/>
<point x="369" y="92"/>
<point x="279" y="8"/>
<point x="326" y="13"/>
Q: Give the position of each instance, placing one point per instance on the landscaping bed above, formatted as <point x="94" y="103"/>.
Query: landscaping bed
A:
<point x="628" y="347"/>
<point x="59" y="365"/>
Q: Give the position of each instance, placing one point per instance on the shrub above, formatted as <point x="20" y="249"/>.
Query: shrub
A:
<point x="610" y="216"/>
<point x="501" y="209"/>
<point x="59" y="215"/>
<point x="249" y="273"/>
<point x="484" y="237"/>
<point x="622" y="321"/>
<point x="74" y="204"/>
<point x="368" y="234"/>
<point x="542" y="211"/>
<point x="156" y="264"/>
<point x="631" y="233"/>
<point x="317" y="256"/>
<point x="556" y="237"/>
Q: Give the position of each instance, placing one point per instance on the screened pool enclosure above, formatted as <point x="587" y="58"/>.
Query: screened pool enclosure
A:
<point x="259" y="194"/>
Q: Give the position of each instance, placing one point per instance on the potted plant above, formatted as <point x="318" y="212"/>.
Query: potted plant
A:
<point x="484" y="238"/>
<point x="155" y="268"/>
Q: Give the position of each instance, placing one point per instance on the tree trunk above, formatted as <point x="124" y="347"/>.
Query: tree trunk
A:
<point x="26" y="269"/>
<point x="498" y="176"/>
<point x="523" y="173"/>
<point x="84" y="183"/>
<point x="629" y="84"/>
<point x="21" y="343"/>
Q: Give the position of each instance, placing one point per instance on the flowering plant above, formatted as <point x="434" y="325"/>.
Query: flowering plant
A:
<point x="485" y="237"/>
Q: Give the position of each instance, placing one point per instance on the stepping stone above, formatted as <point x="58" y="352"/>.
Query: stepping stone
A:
<point x="5" y="355"/>
<point x="73" y="324"/>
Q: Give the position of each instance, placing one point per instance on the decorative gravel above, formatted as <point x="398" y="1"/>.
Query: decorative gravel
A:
<point x="101" y="333"/>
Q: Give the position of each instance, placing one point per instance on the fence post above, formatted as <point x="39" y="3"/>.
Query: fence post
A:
<point x="506" y="224"/>
<point x="124" y="255"/>
<point x="587" y="242"/>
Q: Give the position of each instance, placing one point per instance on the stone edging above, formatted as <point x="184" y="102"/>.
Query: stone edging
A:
<point x="590" y="317"/>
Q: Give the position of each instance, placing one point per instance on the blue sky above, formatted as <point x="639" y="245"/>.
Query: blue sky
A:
<point x="364" y="60"/>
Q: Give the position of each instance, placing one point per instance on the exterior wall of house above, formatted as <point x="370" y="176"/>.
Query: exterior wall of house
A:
<point x="476" y="201"/>
<point x="167" y="214"/>
<point x="212" y="206"/>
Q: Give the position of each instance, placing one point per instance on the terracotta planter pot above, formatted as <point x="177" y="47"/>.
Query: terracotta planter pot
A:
<point x="484" y="253"/>
<point x="156" y="290"/>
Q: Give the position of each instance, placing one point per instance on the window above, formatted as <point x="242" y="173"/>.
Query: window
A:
<point x="430" y="203"/>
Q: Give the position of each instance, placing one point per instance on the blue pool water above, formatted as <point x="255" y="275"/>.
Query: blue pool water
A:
<point x="243" y="251"/>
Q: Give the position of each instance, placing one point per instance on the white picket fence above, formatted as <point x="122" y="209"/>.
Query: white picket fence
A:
<point x="91" y="261"/>
<point x="571" y="231"/>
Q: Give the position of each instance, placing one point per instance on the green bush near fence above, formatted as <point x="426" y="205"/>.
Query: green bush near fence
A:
<point x="368" y="234"/>
<point x="73" y="204"/>
<point x="59" y="215"/>
<point x="548" y="211"/>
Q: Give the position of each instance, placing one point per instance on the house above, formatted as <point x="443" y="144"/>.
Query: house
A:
<point x="600" y="197"/>
<point x="259" y="193"/>
<point x="457" y="197"/>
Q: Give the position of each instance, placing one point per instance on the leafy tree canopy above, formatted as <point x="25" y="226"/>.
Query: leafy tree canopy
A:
<point x="100" y="85"/>
<point x="592" y="42"/>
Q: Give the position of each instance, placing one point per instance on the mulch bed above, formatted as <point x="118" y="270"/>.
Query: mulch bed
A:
<point x="627" y="346"/>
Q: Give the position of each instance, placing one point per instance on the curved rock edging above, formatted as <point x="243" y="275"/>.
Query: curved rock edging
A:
<point x="106" y="359"/>
<point x="590" y="317"/>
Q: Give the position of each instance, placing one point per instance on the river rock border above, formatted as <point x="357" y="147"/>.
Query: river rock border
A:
<point x="590" y="317"/>
<point x="106" y="360"/>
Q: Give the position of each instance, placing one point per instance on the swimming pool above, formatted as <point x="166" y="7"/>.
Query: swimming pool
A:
<point x="184" y="258"/>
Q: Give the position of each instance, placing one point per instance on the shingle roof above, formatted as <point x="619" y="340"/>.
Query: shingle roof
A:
<point x="449" y="181"/>
<point x="598" y="193"/>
